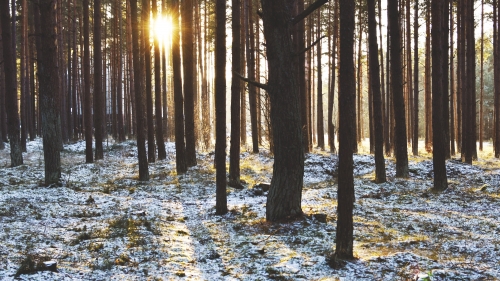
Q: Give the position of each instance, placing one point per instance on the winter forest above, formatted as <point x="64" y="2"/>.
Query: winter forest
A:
<point x="249" y="140"/>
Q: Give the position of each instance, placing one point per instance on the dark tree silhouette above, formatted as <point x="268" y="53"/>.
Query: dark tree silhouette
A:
<point x="99" y="100"/>
<point x="49" y="92"/>
<point x="162" y="154"/>
<point x="16" y="156"/>
<point x="377" y="97"/>
<point x="139" y="96"/>
<point x="234" y="152"/>
<point x="149" y="93"/>
<point x="189" y="83"/>
<point x="438" y="139"/>
<point x="87" y="114"/>
<point x="400" y="145"/>
<point x="344" y="234"/>
<point x="180" y="146"/>
<point x="220" y="107"/>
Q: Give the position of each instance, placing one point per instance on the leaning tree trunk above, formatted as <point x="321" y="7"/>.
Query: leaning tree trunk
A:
<point x="284" y="199"/>
<point x="16" y="156"/>
<point x="49" y="92"/>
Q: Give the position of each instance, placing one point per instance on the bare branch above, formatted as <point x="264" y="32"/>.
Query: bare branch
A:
<point x="308" y="11"/>
<point x="255" y="83"/>
<point x="312" y="45"/>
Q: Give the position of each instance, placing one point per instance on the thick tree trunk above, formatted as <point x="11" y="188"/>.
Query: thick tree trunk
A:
<point x="49" y="92"/>
<point x="284" y="196"/>
<point x="380" y="175"/>
<point x="139" y="96"/>
<point x="16" y="156"/>
<point x="220" y="105"/>
<point x="344" y="235"/>
<point x="438" y="140"/>
<point x="400" y="144"/>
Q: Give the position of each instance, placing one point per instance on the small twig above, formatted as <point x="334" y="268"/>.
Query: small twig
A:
<point x="255" y="83"/>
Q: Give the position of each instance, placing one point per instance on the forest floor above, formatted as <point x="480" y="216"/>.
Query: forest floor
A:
<point x="103" y="224"/>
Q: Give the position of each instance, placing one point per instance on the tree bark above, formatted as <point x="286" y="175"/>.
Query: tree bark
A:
<point x="180" y="146"/>
<point x="220" y="105"/>
<point x="162" y="154"/>
<point x="415" y="81"/>
<point x="189" y="83"/>
<point x="234" y="153"/>
<point x="16" y="156"/>
<point x="344" y="234"/>
<point x="400" y="144"/>
<point x="139" y="96"/>
<point x="99" y="118"/>
<point x="380" y="175"/>
<point x="49" y="92"/>
<point x="320" y="122"/>
<point x="284" y="196"/>
<point x="438" y="155"/>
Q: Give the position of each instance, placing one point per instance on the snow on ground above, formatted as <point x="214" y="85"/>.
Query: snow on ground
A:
<point x="103" y="224"/>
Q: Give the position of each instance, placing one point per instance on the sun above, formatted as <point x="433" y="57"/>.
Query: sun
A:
<point x="161" y="28"/>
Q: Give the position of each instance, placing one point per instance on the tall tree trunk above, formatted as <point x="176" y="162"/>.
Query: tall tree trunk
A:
<point x="415" y="81"/>
<point x="301" y="79"/>
<point x="16" y="156"/>
<point x="24" y="74"/>
<point x="252" y="92"/>
<point x="189" y="83"/>
<point x="2" y="94"/>
<point x="234" y="153"/>
<point x="453" y="93"/>
<point x="481" y="80"/>
<point x="380" y="175"/>
<point x="331" y="94"/>
<point x="243" y="104"/>
<point x="427" y="80"/>
<point x="344" y="235"/>
<point x="220" y="104"/>
<point x="446" y="108"/>
<point x="283" y="200"/>
<point x="139" y="96"/>
<point x="49" y="92"/>
<point x="320" y="122"/>
<point x="180" y="147"/>
<point x="496" y="53"/>
<point x="400" y="145"/>
<point x="438" y="140"/>
<point x="99" y="119"/>
<point x="162" y="154"/>
<point x="121" y="130"/>
<point x="145" y="22"/>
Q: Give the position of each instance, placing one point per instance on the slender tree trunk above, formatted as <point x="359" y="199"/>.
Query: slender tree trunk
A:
<point x="380" y="176"/>
<point x="445" y="88"/>
<point x="234" y="153"/>
<point x="99" y="119"/>
<point x="189" y="83"/>
<point x="400" y="144"/>
<point x="147" y="70"/>
<point x="121" y="130"/>
<point x="162" y="154"/>
<point x="427" y="82"/>
<point x="252" y="92"/>
<point x="453" y="93"/>
<point x="243" y="105"/>
<point x="16" y="156"/>
<point x="180" y="147"/>
<point x="220" y="104"/>
<point x="331" y="95"/>
<point x="481" y="80"/>
<point x="139" y="96"/>
<point x="415" y="79"/>
<point x="320" y="122"/>
<point x="301" y="76"/>
<point x="344" y="234"/>
<point x="2" y="94"/>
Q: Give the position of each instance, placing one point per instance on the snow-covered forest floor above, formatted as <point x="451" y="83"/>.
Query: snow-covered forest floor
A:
<point x="103" y="224"/>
